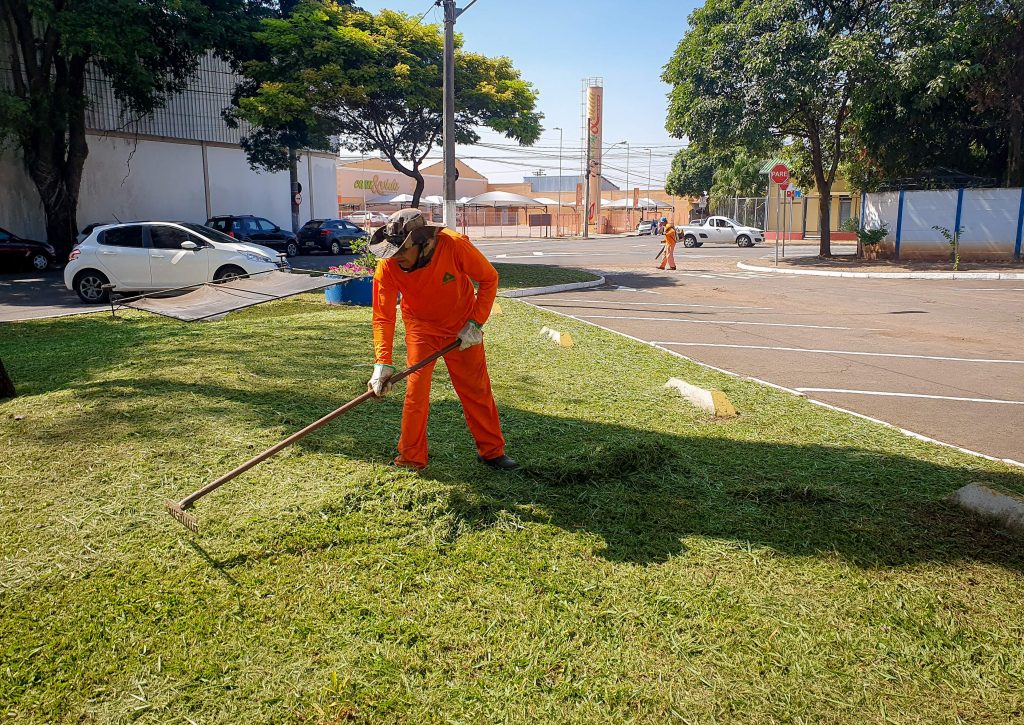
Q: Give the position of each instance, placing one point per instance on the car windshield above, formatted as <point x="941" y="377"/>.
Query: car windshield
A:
<point x="209" y="233"/>
<point x="735" y="223"/>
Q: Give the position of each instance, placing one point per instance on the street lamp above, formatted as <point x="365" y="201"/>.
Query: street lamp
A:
<point x="650" y="153"/>
<point x="560" y="182"/>
<point x="617" y="143"/>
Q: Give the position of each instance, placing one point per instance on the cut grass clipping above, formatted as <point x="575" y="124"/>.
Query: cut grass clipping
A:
<point x="648" y="564"/>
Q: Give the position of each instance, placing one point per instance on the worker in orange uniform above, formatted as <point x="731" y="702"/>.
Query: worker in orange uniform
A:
<point x="434" y="268"/>
<point x="670" y="246"/>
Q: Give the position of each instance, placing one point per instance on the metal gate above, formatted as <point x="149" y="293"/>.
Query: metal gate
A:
<point x="748" y="211"/>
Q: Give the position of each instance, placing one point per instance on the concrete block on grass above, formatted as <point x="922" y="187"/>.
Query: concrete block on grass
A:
<point x="564" y="339"/>
<point x="1005" y="509"/>
<point x="713" y="401"/>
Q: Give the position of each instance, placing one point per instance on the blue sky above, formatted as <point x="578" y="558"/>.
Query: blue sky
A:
<point x="558" y="43"/>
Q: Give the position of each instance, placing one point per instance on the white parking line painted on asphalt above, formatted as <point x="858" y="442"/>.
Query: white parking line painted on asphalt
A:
<point x="557" y="254"/>
<point x="725" y="322"/>
<point x="662" y="304"/>
<point x="886" y="394"/>
<point x="844" y="352"/>
<point x="820" y="403"/>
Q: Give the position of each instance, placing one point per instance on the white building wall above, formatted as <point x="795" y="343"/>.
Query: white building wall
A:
<point x="152" y="179"/>
<point x="21" y="212"/>
<point x="145" y="180"/>
<point x="989" y="220"/>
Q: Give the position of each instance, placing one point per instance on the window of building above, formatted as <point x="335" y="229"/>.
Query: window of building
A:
<point x="845" y="209"/>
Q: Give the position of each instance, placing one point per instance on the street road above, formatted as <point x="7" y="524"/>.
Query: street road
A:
<point x="942" y="358"/>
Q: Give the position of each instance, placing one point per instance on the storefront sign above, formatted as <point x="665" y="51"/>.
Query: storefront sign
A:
<point x="377" y="185"/>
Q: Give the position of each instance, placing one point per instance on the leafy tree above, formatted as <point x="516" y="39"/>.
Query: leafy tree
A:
<point x="952" y="95"/>
<point x="389" y="97"/>
<point x="291" y="64"/>
<point x="742" y="177"/>
<point x="146" y="50"/>
<point x="693" y="171"/>
<point x="762" y="73"/>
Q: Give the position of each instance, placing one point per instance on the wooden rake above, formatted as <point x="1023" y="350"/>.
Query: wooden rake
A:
<point x="179" y="509"/>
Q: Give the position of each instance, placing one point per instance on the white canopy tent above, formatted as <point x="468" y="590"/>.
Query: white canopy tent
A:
<point x="388" y="200"/>
<point x="552" y="202"/>
<point x="643" y="203"/>
<point x="499" y="199"/>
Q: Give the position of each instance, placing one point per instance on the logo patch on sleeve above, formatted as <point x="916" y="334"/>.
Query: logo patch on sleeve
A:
<point x="448" y="277"/>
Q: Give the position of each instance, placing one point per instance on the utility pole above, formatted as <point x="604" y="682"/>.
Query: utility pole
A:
<point x="586" y="193"/>
<point x="650" y="152"/>
<point x="450" y="14"/>
<point x="559" y="225"/>
<point x="629" y="205"/>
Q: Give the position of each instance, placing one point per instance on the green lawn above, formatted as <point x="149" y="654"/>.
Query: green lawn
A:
<point x="648" y="563"/>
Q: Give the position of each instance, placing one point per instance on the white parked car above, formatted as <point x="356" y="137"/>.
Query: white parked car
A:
<point x="362" y="218"/>
<point x="150" y="256"/>
<point x="720" y="229"/>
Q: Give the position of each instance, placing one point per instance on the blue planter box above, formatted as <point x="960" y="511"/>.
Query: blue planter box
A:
<point x="358" y="291"/>
<point x="335" y="293"/>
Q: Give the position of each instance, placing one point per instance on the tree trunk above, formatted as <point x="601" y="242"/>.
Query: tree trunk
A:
<point x="418" y="191"/>
<point x="825" y="218"/>
<point x="6" y="384"/>
<point x="55" y="156"/>
<point x="61" y="208"/>
<point x="293" y="177"/>
<point x="1015" y="149"/>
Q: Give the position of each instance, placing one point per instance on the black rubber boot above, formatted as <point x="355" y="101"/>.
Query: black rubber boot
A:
<point x="502" y="462"/>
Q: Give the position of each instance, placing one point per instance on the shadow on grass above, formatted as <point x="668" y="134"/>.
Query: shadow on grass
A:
<point x="641" y="492"/>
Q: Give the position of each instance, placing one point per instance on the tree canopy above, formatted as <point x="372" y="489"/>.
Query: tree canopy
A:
<point x="951" y="94"/>
<point x="760" y="74"/>
<point x="146" y="50"/>
<point x="375" y="83"/>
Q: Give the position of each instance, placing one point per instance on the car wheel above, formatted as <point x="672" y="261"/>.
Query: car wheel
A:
<point x="228" y="273"/>
<point x="88" y="286"/>
<point x="335" y="247"/>
<point x="291" y="248"/>
<point x="743" y="241"/>
<point x="690" y="241"/>
<point x="40" y="262"/>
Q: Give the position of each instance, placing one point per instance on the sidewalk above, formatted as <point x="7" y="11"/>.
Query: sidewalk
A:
<point x="849" y="266"/>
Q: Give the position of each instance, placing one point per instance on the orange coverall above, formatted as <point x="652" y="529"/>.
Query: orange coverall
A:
<point x="670" y="246"/>
<point x="437" y="301"/>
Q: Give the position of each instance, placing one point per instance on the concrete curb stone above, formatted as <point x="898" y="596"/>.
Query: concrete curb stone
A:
<point x="551" y="289"/>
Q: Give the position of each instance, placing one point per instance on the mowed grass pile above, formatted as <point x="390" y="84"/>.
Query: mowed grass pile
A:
<point x="648" y="563"/>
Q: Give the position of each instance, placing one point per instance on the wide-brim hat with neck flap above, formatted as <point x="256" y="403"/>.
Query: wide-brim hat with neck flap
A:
<point x="399" y="227"/>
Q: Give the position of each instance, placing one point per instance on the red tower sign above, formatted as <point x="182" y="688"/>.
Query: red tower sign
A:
<point x="779" y="174"/>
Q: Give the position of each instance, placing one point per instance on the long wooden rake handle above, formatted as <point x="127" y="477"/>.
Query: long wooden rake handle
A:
<point x="177" y="509"/>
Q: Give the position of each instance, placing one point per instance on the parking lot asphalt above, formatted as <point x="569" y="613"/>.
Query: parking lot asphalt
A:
<point x="942" y="358"/>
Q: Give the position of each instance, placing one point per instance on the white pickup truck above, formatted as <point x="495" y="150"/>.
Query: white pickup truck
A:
<point x="720" y="229"/>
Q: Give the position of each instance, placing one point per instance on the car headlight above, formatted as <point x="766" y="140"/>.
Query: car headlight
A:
<point x="253" y="257"/>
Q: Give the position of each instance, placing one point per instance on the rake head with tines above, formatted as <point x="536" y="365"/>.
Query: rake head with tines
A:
<point x="184" y="517"/>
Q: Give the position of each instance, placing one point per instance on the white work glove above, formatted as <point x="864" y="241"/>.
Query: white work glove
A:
<point x="470" y="335"/>
<point x="378" y="383"/>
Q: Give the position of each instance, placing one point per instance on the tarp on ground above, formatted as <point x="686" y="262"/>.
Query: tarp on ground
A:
<point x="216" y="299"/>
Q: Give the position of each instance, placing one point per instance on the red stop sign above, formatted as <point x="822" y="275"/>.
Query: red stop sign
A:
<point x="779" y="174"/>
